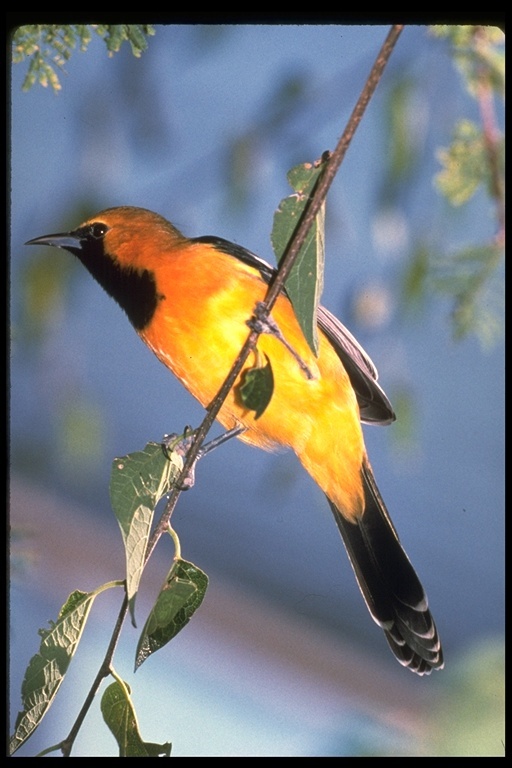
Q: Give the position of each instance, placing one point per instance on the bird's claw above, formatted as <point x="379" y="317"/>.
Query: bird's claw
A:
<point x="262" y="322"/>
<point x="181" y="445"/>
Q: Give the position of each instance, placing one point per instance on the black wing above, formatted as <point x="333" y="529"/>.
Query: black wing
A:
<point x="374" y="406"/>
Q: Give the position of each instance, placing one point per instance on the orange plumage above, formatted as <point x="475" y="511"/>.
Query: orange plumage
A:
<point x="190" y="300"/>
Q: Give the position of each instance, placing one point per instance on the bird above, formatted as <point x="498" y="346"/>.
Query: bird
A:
<point x="189" y="300"/>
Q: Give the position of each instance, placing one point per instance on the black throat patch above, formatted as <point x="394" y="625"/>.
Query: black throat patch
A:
<point x="134" y="290"/>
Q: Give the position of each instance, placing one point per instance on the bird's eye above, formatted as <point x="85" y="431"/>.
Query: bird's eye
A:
<point x="98" y="230"/>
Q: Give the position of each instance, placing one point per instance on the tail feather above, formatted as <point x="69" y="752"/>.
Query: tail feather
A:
<point x="389" y="584"/>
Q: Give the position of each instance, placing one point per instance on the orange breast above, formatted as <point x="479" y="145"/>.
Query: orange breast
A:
<point x="198" y="331"/>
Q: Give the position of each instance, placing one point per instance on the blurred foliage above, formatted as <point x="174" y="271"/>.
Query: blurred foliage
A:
<point x="403" y="153"/>
<point x="47" y="282"/>
<point x="475" y="160"/>
<point x="472" y="170"/>
<point x="472" y="278"/>
<point x="469" y="716"/>
<point x="476" y="156"/>
<point x="464" y="162"/>
<point x="405" y="437"/>
<point x="477" y="52"/>
<point x="80" y="436"/>
<point x="44" y="290"/>
<point x="48" y="47"/>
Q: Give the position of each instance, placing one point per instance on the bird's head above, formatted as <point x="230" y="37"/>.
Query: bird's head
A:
<point x="125" y="235"/>
<point x="122" y="249"/>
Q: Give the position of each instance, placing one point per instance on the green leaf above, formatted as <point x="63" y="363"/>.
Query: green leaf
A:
<point x="474" y="279"/>
<point x="257" y="387"/>
<point x="135" y="34"/>
<point x="114" y="37"/>
<point x="116" y="34"/>
<point x="119" y="714"/>
<point x="137" y="483"/>
<point x="415" y="276"/>
<point x="465" y="164"/>
<point x="305" y="282"/>
<point x="51" y="45"/>
<point x="400" y="117"/>
<point x="46" y="670"/>
<point x="179" y="598"/>
<point x="478" y="53"/>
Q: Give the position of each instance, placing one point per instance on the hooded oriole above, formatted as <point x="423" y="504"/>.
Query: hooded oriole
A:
<point x="189" y="300"/>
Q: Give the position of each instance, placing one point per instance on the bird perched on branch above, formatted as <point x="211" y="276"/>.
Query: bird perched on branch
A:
<point x="189" y="300"/>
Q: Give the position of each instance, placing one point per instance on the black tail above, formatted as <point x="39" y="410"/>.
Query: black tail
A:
<point x="390" y="586"/>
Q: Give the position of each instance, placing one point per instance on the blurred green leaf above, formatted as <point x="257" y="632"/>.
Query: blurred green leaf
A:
<point x="415" y="276"/>
<point x="476" y="155"/>
<point x="475" y="159"/>
<point x="137" y="483"/>
<point x="472" y="277"/>
<point x="46" y="670"/>
<point x="81" y="432"/>
<point x="305" y="282"/>
<point x="44" y="290"/>
<point x="465" y="164"/>
<point x="119" y="714"/>
<point x="135" y="34"/>
<point x="468" y="716"/>
<point x="478" y="52"/>
<point x="179" y="598"/>
<point x="401" y="113"/>
<point x="239" y="167"/>
<point x="405" y="429"/>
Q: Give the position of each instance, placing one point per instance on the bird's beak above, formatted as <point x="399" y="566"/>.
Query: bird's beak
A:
<point x="67" y="240"/>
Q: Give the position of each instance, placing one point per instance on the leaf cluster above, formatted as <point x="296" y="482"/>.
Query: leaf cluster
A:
<point x="474" y="162"/>
<point x="49" y="47"/>
<point x="478" y="52"/>
<point x="138" y="482"/>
